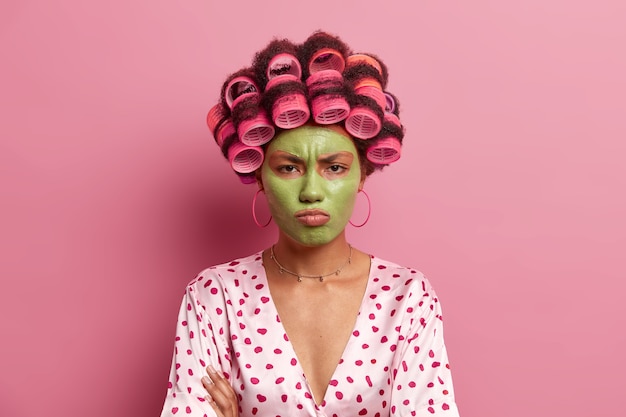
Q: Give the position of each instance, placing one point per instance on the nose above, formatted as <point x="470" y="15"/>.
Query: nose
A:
<point x="312" y="188"/>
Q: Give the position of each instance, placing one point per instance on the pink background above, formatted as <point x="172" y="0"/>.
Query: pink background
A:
<point x="509" y="194"/>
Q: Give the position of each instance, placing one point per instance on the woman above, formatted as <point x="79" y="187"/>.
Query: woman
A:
<point x="310" y="326"/>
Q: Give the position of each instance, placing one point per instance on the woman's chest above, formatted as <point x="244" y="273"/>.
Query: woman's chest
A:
<point x="268" y="374"/>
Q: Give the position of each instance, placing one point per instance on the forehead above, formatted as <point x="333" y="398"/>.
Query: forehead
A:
<point x="312" y="141"/>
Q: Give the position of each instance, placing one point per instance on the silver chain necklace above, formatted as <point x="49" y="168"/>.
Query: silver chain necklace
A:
<point x="300" y="276"/>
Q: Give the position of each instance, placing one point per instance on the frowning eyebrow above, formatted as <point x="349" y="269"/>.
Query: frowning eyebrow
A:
<point x="333" y="157"/>
<point x="326" y="159"/>
<point x="288" y="157"/>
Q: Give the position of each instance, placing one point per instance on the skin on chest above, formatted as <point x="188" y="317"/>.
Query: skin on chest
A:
<point x="319" y="319"/>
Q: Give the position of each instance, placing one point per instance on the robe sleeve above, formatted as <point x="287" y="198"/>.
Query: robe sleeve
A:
<point x="197" y="344"/>
<point x="422" y="381"/>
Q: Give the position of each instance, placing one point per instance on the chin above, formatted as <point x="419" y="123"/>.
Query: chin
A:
<point x="314" y="237"/>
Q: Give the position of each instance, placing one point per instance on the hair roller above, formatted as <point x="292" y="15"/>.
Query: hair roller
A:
<point x="384" y="151"/>
<point x="256" y="131"/>
<point x="369" y="87"/>
<point x="246" y="80"/>
<point x="242" y="158"/>
<point x="278" y="58"/>
<point x="365" y="80"/>
<point x="385" y="148"/>
<point x="216" y="116"/>
<point x="251" y="122"/>
<point x="393" y="119"/>
<point x="285" y="99"/>
<point x="240" y="88"/>
<point x="322" y="51"/>
<point x="223" y="131"/>
<point x="360" y="70"/>
<point x="327" y="95"/>
<point x="284" y="64"/>
<point x="245" y="158"/>
<point x="392" y="105"/>
<point x="226" y="144"/>
<point x="372" y="61"/>
<point x="366" y="117"/>
<point x="249" y="178"/>
<point x="242" y="96"/>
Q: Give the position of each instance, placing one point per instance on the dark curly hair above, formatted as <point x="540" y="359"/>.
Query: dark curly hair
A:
<point x="318" y="82"/>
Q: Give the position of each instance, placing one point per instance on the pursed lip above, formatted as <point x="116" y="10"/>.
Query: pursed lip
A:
<point x="313" y="217"/>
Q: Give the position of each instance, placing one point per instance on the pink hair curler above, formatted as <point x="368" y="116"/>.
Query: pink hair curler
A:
<point x="291" y="110"/>
<point x="372" y="91"/>
<point x="390" y="103"/>
<point x="363" y="123"/>
<point x="239" y="88"/>
<point x="384" y="151"/>
<point x="369" y="82"/>
<point x="215" y="117"/>
<point x="244" y="158"/>
<point x="324" y="79"/>
<point x="392" y="118"/>
<point x="284" y="64"/>
<point x="225" y="130"/>
<point x="364" y="59"/>
<point x="325" y="59"/>
<point x="247" y="179"/>
<point x="327" y="108"/>
<point x="256" y="131"/>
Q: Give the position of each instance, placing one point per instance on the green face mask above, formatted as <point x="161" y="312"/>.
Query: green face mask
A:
<point x="311" y="176"/>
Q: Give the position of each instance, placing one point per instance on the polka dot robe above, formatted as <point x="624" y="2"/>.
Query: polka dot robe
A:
<point x="394" y="364"/>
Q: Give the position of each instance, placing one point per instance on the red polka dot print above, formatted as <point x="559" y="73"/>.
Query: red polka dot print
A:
<point x="394" y="364"/>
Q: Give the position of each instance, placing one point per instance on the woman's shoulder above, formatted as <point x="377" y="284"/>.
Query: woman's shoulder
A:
<point x="395" y="275"/>
<point x="394" y="270"/>
<point x="249" y="266"/>
<point x="247" y="262"/>
<point x="408" y="287"/>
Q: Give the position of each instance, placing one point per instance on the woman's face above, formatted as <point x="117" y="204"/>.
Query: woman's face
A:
<point x="311" y="176"/>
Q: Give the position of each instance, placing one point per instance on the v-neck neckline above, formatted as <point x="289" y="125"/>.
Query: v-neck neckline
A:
<point x="302" y="375"/>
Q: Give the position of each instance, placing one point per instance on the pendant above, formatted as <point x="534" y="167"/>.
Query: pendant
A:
<point x="321" y="278"/>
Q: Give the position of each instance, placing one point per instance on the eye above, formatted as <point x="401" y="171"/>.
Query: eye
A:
<point x="337" y="168"/>
<point x="288" y="169"/>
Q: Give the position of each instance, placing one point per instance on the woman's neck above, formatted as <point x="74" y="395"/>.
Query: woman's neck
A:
<point x="312" y="260"/>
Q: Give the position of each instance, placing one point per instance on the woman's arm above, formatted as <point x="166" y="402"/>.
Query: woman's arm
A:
<point x="196" y="347"/>
<point x="422" y="383"/>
